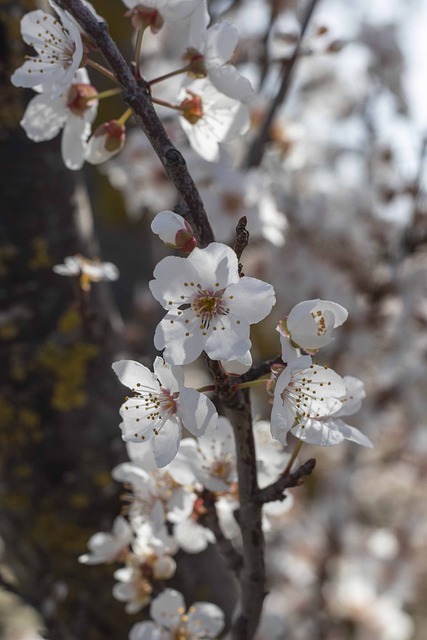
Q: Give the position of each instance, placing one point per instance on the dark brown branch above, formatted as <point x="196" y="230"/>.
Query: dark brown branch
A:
<point x="275" y="490"/>
<point x="256" y="150"/>
<point x="232" y="556"/>
<point x="261" y="370"/>
<point x="136" y="94"/>
<point x="242" y="239"/>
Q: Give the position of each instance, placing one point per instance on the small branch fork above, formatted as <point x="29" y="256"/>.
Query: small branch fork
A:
<point x="136" y="94"/>
<point x="275" y="490"/>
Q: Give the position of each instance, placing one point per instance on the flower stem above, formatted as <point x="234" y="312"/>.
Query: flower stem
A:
<point x="295" y="452"/>
<point x="125" y="116"/>
<point x="251" y="383"/>
<point x="207" y="387"/>
<point x="105" y="94"/>
<point x="168" y="75"/>
<point x="138" y="45"/>
<point x="103" y="70"/>
<point x="163" y="103"/>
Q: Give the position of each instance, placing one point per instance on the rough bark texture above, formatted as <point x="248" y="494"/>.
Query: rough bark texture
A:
<point x="58" y="398"/>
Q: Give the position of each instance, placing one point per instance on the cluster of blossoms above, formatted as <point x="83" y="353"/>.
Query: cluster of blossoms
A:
<point x="175" y="482"/>
<point x="211" y="101"/>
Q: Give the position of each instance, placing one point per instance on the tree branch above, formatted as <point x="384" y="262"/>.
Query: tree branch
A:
<point x="261" y="369"/>
<point x="275" y="490"/>
<point x="136" y="94"/>
<point x="232" y="556"/>
<point x="257" y="148"/>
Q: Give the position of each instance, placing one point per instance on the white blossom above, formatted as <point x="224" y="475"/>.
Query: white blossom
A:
<point x="209" y="118"/>
<point x="202" y="621"/>
<point x="161" y="406"/>
<point x="210" y="308"/>
<point x="210" y="52"/>
<point x="307" y="401"/>
<point x="73" y="111"/>
<point x="239" y="366"/>
<point x="310" y="324"/>
<point x="88" y="270"/>
<point x="59" y="48"/>
<point x="109" y="547"/>
<point x="154" y="13"/>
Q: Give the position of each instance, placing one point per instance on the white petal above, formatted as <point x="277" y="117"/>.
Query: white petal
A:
<point x="73" y="143"/>
<point x="171" y="275"/>
<point x="166" y="225"/>
<point x="171" y="377"/>
<point x="229" y="81"/>
<point x="145" y="631"/>
<point x="216" y="265"/>
<point x="164" y="608"/>
<point x="222" y="40"/>
<point x="192" y="537"/>
<point x="205" y="620"/>
<point x="179" y="348"/>
<point x="238" y="367"/>
<point x="199" y="21"/>
<point x="166" y="443"/>
<point x="197" y="412"/>
<point x="44" y="117"/>
<point x="135" y="376"/>
<point x="251" y="299"/>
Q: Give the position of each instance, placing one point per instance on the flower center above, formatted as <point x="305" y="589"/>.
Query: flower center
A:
<point x="320" y="321"/>
<point x="208" y="305"/>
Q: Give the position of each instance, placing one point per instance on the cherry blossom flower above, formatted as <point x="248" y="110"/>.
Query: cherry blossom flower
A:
<point x="174" y="230"/>
<point x="156" y="496"/>
<point x="153" y="550"/>
<point x="161" y="406"/>
<point x="203" y="620"/>
<point x="209" y="306"/>
<point x="73" y="111"/>
<point x="209" y="54"/>
<point x="133" y="588"/>
<point x="209" y="118"/>
<point x="88" y="270"/>
<point x="310" y="324"/>
<point x="59" y="48"/>
<point x="154" y="13"/>
<point x="106" y="141"/>
<point x="109" y="547"/>
<point x="211" y="459"/>
<point x="308" y="399"/>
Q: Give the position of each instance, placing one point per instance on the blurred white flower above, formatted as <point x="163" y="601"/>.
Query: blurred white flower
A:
<point x="109" y="547"/>
<point x="88" y="270"/>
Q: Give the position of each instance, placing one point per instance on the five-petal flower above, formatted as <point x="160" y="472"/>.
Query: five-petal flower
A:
<point x="210" y="307"/>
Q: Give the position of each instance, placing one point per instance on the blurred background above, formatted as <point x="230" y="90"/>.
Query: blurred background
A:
<point x="334" y="190"/>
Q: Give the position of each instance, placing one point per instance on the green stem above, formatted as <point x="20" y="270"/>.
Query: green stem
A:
<point x="168" y="75"/>
<point x="295" y="452"/>
<point x="105" y="94"/>
<point x="103" y="70"/>
<point x="251" y="383"/>
<point x="125" y="116"/>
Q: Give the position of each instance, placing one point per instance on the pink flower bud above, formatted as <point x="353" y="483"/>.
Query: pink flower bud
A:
<point x="106" y="141"/>
<point x="174" y="230"/>
<point x="143" y="17"/>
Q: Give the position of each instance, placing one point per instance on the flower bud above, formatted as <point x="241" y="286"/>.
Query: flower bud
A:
<point x="237" y="367"/>
<point x="107" y="140"/>
<point x="174" y="230"/>
<point x="143" y="17"/>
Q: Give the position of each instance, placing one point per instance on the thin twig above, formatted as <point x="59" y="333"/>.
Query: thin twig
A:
<point x="275" y="490"/>
<point x="256" y="150"/>
<point x="260" y="370"/>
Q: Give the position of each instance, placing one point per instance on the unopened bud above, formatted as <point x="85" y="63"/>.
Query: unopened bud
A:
<point x="106" y="141"/>
<point x="239" y="366"/>
<point x="174" y="231"/>
<point x="143" y="17"/>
